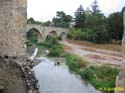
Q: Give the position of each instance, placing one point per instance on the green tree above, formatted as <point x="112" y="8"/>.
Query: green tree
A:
<point x="47" y="23"/>
<point x="79" y="17"/>
<point x="62" y="20"/>
<point x="33" y="21"/>
<point x="114" y="25"/>
<point x="56" y="22"/>
<point x="67" y="20"/>
<point x="95" y="7"/>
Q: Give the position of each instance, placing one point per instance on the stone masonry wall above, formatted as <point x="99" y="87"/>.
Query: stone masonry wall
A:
<point x="16" y="73"/>
<point x="12" y="27"/>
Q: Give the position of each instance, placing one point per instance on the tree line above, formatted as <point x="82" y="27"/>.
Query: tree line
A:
<point x="92" y="25"/>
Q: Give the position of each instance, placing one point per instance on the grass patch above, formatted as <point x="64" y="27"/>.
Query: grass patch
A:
<point x="75" y="63"/>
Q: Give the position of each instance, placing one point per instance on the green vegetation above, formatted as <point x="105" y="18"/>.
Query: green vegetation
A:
<point x="56" y="50"/>
<point x="100" y="77"/>
<point x="51" y="44"/>
<point x="92" y="25"/>
<point x="32" y="21"/>
<point x="61" y="20"/>
<point x="88" y="34"/>
<point x="75" y="63"/>
<point x="32" y="36"/>
<point x="80" y="17"/>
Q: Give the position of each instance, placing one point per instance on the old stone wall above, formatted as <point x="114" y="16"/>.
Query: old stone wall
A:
<point x="16" y="74"/>
<point x="12" y="27"/>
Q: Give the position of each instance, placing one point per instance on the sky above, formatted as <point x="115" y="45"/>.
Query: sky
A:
<point x="44" y="10"/>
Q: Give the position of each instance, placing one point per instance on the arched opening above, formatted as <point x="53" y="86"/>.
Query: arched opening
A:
<point x="2" y="88"/>
<point x="51" y="34"/>
<point x="34" y="36"/>
<point x="63" y="36"/>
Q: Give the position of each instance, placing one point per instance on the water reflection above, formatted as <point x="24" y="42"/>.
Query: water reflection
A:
<point x="58" y="79"/>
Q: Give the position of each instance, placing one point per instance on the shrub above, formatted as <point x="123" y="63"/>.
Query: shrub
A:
<point x="75" y="63"/>
<point x="86" y="73"/>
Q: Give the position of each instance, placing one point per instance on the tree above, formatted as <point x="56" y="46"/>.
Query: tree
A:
<point x="114" y="25"/>
<point x="79" y="11"/>
<point x="32" y="21"/>
<point x="79" y="17"/>
<point x="67" y="20"/>
<point x="95" y="7"/>
<point x="60" y="14"/>
<point x="62" y="20"/>
<point x="47" y="23"/>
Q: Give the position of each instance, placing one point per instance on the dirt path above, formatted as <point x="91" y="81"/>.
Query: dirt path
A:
<point x="93" y="55"/>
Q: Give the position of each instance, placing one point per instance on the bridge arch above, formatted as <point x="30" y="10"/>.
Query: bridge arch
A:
<point x="34" y="35"/>
<point x="51" y="33"/>
<point x="63" y="36"/>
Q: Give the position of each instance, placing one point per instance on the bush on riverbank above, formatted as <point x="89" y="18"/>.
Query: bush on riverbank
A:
<point x="100" y="77"/>
<point x="56" y="50"/>
<point x="75" y="63"/>
<point x="52" y="44"/>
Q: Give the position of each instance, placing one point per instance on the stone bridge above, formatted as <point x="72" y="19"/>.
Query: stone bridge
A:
<point x="44" y="31"/>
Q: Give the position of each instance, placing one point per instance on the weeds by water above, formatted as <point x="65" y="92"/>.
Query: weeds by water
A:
<point x="100" y="77"/>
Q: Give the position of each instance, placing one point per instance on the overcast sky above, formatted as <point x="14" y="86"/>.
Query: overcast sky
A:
<point x="46" y="9"/>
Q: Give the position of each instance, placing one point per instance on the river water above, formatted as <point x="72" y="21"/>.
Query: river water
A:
<point x="58" y="79"/>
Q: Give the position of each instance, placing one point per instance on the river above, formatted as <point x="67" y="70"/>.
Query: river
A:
<point x="58" y="79"/>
